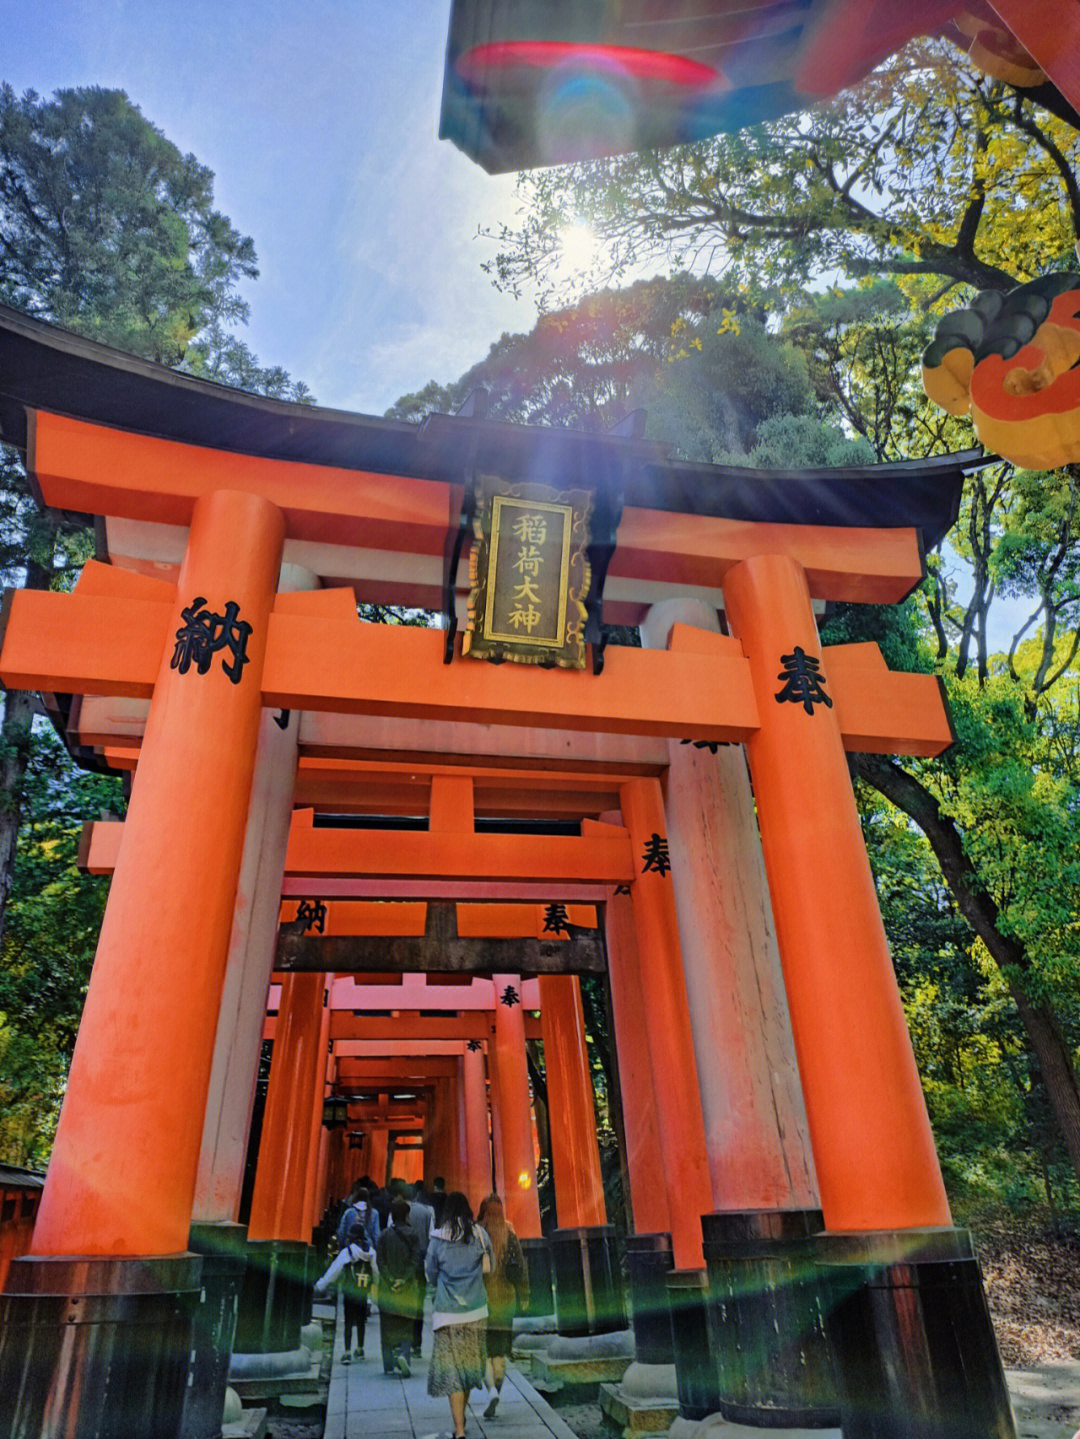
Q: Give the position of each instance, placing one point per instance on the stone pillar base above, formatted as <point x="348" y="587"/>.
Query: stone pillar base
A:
<point x="213" y="1331"/>
<point x="94" y="1348"/>
<point x="537" y="1254"/>
<point x="767" y="1301"/>
<point x="645" y="1401"/>
<point x="910" y="1333"/>
<point x="648" y="1262"/>
<point x="694" y="1336"/>
<point x="588" y="1287"/>
<point x="275" y="1300"/>
<point x="582" y="1363"/>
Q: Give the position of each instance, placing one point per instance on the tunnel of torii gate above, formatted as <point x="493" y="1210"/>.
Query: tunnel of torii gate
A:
<point x="395" y="861"/>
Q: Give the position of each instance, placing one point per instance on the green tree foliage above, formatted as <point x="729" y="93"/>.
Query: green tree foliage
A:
<point x="53" y="919"/>
<point x="927" y="168"/>
<point x="698" y="358"/>
<point x="108" y="230"/>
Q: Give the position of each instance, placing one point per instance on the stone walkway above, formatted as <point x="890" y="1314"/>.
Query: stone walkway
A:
<point x="365" y="1403"/>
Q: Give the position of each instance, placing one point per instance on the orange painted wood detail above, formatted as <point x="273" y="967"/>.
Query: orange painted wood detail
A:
<point x="667" y="1024"/>
<point x="575" y="1154"/>
<point x="122" y="1175"/>
<point x="313" y="853"/>
<point x="82" y="466"/>
<point x="873" y="1148"/>
<point x="102" y="471"/>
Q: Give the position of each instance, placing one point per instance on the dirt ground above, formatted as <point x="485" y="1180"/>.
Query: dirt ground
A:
<point x="1033" y="1287"/>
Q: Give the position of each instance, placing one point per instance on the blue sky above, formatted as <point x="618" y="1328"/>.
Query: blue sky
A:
<point x="319" y="121"/>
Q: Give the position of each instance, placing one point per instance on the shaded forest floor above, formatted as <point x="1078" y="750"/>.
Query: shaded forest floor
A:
<point x="1033" y="1287"/>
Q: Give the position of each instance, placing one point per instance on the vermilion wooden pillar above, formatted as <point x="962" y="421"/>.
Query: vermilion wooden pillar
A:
<point x="873" y="1149"/>
<point x="476" y="1126"/>
<point x="575" y="1154"/>
<point x="434" y="1134"/>
<point x="461" y="1131"/>
<point x="378" y="1155"/>
<point x="335" y="1177"/>
<point x="512" y="1101"/>
<point x="755" y="1121"/>
<point x="667" y="1021"/>
<point x="122" y="1175"/>
<point x="318" y="1095"/>
<point x="251" y="954"/>
<point x="497" y="1147"/>
<point x="278" y="1206"/>
<point x="641" y="1128"/>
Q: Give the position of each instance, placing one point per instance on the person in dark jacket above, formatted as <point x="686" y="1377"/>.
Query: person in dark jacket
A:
<point x="422" y="1219"/>
<point x="397" y="1256"/>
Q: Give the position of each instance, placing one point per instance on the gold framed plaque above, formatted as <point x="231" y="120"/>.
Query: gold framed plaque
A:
<point x="529" y="574"/>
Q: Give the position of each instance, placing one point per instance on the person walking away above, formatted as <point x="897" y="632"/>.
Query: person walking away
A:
<point x="507" y="1291"/>
<point x="355" y="1236"/>
<point x="397" y="1259"/>
<point x="458" y="1257"/>
<point x="438" y="1197"/>
<point x="422" y="1220"/>
<point x="356" y="1286"/>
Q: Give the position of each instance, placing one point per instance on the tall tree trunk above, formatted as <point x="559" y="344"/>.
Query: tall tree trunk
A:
<point x="978" y="908"/>
<point x="1056" y="1067"/>
<point x="19" y="708"/>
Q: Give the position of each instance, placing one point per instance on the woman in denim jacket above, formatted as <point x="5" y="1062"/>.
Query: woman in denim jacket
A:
<point x="458" y="1257"/>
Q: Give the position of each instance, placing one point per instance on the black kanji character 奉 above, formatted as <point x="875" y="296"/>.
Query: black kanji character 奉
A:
<point x="473" y="1044"/>
<point x="656" y="856"/>
<point x="556" y="919"/>
<point x="204" y="633"/>
<point x="622" y="889"/>
<point x="281" y="719"/>
<point x="712" y="745"/>
<point x="311" y="914"/>
<point x="803" y="681"/>
<point x="509" y="997"/>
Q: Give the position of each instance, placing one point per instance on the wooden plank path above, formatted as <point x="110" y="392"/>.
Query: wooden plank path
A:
<point x="365" y="1403"/>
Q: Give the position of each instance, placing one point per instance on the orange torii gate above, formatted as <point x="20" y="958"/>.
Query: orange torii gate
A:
<point x="202" y="514"/>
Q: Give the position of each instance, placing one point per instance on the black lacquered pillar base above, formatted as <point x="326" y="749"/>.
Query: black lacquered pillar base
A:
<point x="537" y="1254"/>
<point x="275" y="1296"/>
<point x="213" y="1329"/>
<point x="913" y="1346"/>
<point x="588" y="1286"/>
<point x="96" y="1348"/>
<point x="694" y="1340"/>
<point x="767" y="1300"/>
<point x="648" y="1262"/>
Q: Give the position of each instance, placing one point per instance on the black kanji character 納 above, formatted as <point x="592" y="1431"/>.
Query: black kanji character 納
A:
<point x="556" y="919"/>
<point x="803" y="681"/>
<point x="204" y="633"/>
<point x="311" y="914"/>
<point x="509" y="997"/>
<point x="656" y="856"/>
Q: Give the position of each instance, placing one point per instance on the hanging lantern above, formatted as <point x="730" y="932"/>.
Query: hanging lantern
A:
<point x="335" y="1112"/>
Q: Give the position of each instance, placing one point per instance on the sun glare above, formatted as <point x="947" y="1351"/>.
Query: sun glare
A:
<point x="580" y="246"/>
